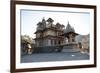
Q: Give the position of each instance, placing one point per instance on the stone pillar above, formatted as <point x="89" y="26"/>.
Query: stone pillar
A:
<point x="49" y="42"/>
<point x="46" y="42"/>
<point x="53" y="42"/>
<point x="66" y="40"/>
<point x="70" y="38"/>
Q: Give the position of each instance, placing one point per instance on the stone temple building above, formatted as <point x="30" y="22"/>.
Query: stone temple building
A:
<point x="48" y="34"/>
<point x="53" y="37"/>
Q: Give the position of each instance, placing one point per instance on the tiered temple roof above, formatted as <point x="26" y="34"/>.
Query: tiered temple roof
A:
<point x="69" y="30"/>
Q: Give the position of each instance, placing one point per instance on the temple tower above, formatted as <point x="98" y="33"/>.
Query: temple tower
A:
<point x="70" y="33"/>
<point x="70" y="45"/>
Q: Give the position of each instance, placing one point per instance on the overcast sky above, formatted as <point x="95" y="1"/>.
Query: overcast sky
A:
<point x="30" y="18"/>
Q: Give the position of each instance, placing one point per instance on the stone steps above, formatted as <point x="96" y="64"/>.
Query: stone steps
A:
<point x="70" y="49"/>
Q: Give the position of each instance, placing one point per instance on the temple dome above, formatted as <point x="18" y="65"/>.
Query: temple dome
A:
<point x="69" y="29"/>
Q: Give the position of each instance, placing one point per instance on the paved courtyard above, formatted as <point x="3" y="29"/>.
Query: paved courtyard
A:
<point x="62" y="56"/>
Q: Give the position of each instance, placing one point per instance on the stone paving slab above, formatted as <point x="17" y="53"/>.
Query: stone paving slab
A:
<point x="45" y="57"/>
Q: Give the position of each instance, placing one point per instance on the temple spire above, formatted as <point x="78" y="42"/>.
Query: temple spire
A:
<point x="43" y="19"/>
<point x="68" y="22"/>
<point x="44" y="22"/>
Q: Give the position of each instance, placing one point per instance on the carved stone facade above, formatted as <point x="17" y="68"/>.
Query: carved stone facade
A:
<point x="49" y="34"/>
